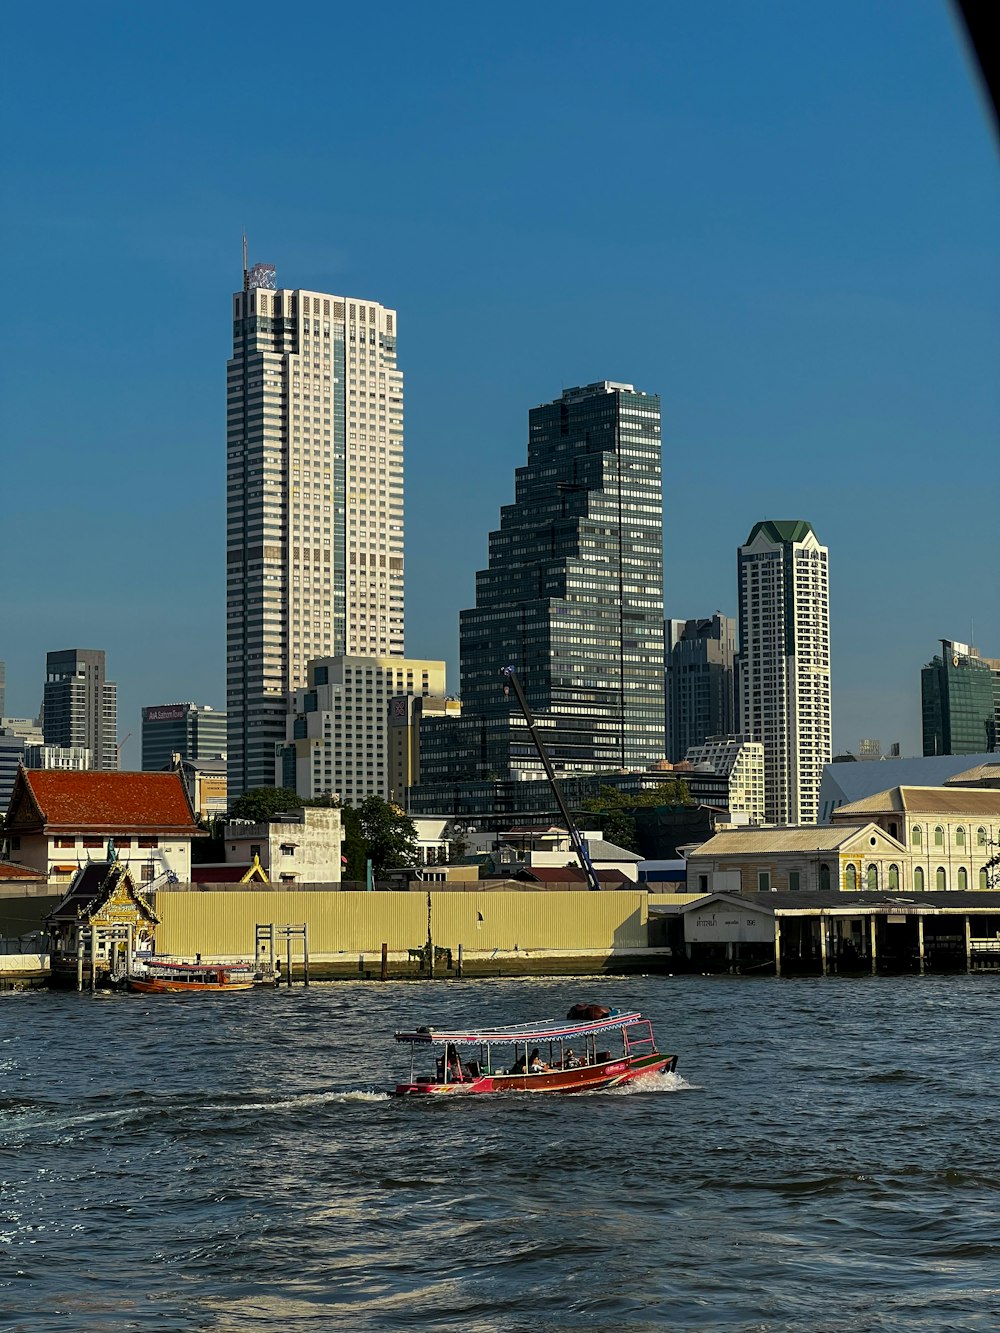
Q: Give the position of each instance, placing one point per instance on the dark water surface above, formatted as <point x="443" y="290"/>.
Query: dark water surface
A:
<point x="826" y="1158"/>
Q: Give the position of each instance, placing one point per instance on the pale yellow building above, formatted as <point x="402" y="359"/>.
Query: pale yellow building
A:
<point x="906" y="839"/>
<point x="337" y="727"/>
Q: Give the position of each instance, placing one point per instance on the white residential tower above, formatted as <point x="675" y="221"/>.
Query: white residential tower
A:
<point x="315" y="501"/>
<point x="784" y="663"/>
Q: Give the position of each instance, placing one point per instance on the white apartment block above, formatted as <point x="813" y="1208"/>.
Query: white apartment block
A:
<point x="741" y="761"/>
<point x="784" y="664"/>
<point x="315" y="501"/>
<point x="338" y="725"/>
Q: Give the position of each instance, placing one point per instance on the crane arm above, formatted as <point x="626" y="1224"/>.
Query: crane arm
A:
<point x="509" y="676"/>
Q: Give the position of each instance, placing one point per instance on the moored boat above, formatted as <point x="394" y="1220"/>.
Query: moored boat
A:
<point x="510" y="1059"/>
<point x="161" y="978"/>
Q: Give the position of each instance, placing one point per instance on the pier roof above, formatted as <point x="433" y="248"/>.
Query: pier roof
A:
<point x="53" y="800"/>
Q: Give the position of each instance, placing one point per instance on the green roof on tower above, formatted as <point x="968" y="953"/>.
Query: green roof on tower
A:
<point x="782" y="530"/>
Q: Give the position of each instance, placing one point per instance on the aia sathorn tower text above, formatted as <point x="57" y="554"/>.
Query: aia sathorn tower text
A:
<point x="315" y="501"/>
<point x="784" y="663"/>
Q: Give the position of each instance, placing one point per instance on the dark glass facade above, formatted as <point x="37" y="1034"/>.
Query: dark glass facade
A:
<point x="699" y="682"/>
<point x="957" y="697"/>
<point x="572" y="599"/>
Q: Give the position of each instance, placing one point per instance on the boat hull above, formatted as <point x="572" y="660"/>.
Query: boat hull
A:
<point x="163" y="986"/>
<point x="583" y="1078"/>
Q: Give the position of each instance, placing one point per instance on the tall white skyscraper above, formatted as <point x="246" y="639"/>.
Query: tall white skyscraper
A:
<point x="784" y="663"/>
<point x="315" y="501"/>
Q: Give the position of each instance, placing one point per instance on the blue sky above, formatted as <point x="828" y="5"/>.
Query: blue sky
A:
<point x="781" y="217"/>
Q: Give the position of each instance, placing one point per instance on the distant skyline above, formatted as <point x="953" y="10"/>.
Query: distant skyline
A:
<point x="782" y="219"/>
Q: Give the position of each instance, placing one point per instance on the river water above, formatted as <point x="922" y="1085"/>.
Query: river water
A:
<point x="826" y="1157"/>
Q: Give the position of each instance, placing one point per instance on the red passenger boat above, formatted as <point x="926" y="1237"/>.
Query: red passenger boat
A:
<point x="159" y="977"/>
<point x="549" y="1056"/>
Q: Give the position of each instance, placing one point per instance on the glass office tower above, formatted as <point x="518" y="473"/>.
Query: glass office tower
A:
<point x="572" y="599"/>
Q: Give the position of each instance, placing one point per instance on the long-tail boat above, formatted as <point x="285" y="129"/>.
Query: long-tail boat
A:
<point x="548" y="1056"/>
<point x="160" y="978"/>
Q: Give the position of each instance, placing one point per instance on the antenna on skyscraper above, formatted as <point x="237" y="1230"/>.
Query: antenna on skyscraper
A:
<point x="245" y="278"/>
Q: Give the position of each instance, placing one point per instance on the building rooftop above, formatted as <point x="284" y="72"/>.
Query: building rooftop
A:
<point x="988" y="772"/>
<point x="781" y="530"/>
<point x="961" y="801"/>
<point x="52" y="799"/>
<point x="807" y="838"/>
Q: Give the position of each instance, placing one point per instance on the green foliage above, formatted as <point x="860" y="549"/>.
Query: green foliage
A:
<point x="262" y="803"/>
<point x="389" y="833"/>
<point x="355" y="849"/>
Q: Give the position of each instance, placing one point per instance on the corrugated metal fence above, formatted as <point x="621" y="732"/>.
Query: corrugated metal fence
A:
<point x="222" y="924"/>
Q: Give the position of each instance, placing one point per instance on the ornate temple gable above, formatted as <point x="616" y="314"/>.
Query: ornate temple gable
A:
<point x="24" y="813"/>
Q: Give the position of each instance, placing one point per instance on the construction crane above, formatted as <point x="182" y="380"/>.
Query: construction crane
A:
<point x="511" y="682"/>
<point x="120" y="745"/>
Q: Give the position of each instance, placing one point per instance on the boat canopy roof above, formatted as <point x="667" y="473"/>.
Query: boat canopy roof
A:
<point x="548" y="1029"/>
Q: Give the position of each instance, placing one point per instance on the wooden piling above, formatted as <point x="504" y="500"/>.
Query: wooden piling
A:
<point x="459" y="972"/>
<point x="384" y="971"/>
<point x="824" y="960"/>
<point x="79" y="961"/>
<point x="968" y="943"/>
<point x="777" y="946"/>
<point x="305" y="953"/>
<point x="288" y="959"/>
<point x="872" y="923"/>
<point x="920" y="943"/>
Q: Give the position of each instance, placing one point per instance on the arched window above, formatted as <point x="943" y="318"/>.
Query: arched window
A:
<point x="980" y="837"/>
<point x="941" y="879"/>
<point x="918" y="879"/>
<point x="851" y="877"/>
<point x="939" y="836"/>
<point x="871" y="880"/>
<point x="963" y="879"/>
<point x="893" y="878"/>
<point x="960" y="837"/>
<point x="984" y="878"/>
<point x="824" y="878"/>
<point x="916" y="837"/>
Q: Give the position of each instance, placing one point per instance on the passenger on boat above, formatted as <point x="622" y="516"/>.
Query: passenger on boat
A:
<point x="570" y="1061"/>
<point x="450" y="1056"/>
<point x="518" y="1067"/>
<point x="536" y="1065"/>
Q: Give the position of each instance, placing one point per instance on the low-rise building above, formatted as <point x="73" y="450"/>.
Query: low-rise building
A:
<point x="57" y="821"/>
<point x="952" y="834"/>
<point x="811" y="858"/>
<point x="907" y="839"/>
<point x="301" y="846"/>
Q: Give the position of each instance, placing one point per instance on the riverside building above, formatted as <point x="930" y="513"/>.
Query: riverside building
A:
<point x="784" y="663"/>
<point x="572" y="599"/>
<point x="315" y="501"/>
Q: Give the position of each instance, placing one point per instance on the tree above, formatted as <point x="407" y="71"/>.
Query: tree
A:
<point x="390" y="834"/>
<point x="262" y="803"/>
<point x="355" y="848"/>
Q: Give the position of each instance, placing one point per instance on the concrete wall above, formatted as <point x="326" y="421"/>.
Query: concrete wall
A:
<point x="221" y="924"/>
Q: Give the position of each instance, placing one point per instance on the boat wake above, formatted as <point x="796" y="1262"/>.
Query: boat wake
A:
<point x="653" y="1083"/>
